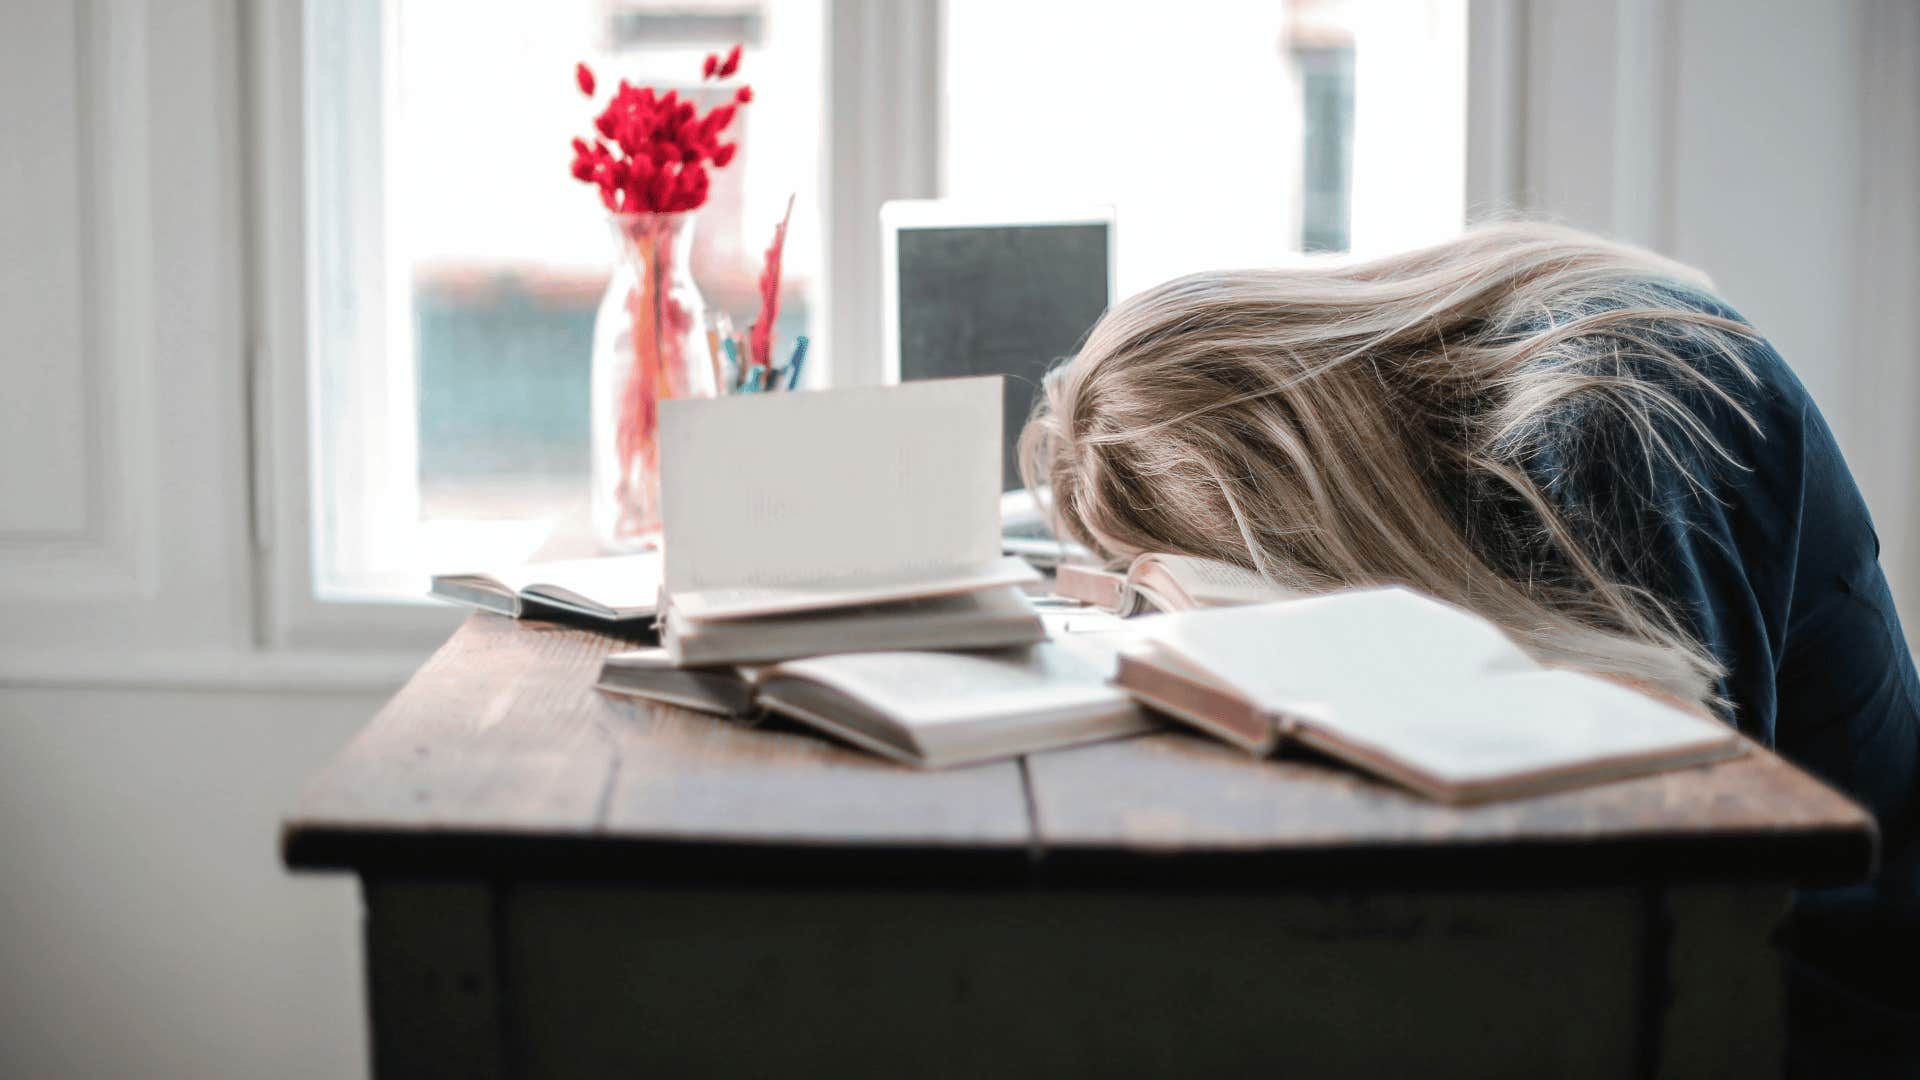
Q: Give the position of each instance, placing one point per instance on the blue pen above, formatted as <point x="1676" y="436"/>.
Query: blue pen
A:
<point x="793" y="365"/>
<point x="733" y="361"/>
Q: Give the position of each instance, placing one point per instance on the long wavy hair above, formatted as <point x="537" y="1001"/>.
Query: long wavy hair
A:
<point x="1373" y="422"/>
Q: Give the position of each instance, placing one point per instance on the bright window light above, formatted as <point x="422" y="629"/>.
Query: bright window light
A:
<point x="1239" y="133"/>
<point x="457" y="266"/>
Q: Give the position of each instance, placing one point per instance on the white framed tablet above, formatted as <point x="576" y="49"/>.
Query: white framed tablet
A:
<point x="991" y="289"/>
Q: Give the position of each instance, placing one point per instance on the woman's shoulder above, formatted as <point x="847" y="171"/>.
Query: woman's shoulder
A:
<point x="1730" y="349"/>
<point x="1682" y="370"/>
<point x="1711" y="430"/>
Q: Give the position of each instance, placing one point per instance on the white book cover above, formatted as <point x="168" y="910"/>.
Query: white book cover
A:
<point x="798" y="501"/>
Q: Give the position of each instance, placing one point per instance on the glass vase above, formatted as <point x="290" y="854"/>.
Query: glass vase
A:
<point x="648" y="346"/>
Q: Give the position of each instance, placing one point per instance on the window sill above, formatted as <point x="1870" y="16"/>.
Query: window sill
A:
<point x="273" y="672"/>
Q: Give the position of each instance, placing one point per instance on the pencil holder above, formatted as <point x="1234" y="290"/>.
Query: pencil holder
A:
<point x="648" y="346"/>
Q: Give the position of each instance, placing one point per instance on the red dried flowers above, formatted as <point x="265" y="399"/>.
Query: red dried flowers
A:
<point x="653" y="150"/>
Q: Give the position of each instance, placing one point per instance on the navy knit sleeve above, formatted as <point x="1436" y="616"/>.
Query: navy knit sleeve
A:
<point x="1769" y="557"/>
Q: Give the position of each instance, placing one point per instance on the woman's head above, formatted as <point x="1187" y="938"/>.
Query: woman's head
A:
<point x="1332" y="426"/>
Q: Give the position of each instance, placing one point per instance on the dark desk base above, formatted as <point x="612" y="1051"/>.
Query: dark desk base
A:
<point x="470" y="978"/>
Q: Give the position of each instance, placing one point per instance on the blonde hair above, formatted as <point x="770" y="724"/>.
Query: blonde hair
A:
<point x="1348" y="425"/>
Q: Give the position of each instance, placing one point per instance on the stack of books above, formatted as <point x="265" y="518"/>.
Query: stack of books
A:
<point x="835" y="558"/>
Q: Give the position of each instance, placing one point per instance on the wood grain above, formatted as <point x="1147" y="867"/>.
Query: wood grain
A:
<point x="1754" y="816"/>
<point x="497" y="732"/>
<point x="690" y="775"/>
<point x="499" y="756"/>
<point x="500" y="745"/>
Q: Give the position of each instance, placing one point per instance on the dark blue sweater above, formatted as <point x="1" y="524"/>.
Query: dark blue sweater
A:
<point x="1774" y="564"/>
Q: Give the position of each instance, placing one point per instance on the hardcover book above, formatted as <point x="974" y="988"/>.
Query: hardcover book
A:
<point x="1410" y="689"/>
<point x="838" y="521"/>
<point x="930" y="709"/>
<point x="620" y="588"/>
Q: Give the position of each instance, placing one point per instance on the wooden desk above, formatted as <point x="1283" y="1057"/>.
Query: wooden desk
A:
<point x="559" y="882"/>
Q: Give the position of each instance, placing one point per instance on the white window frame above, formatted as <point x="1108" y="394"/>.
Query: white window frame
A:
<point x="189" y="349"/>
<point x="882" y="134"/>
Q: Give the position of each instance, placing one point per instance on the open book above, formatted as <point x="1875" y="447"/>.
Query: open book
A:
<point x="618" y="588"/>
<point x="837" y="521"/>
<point x="1410" y="689"/>
<point x="931" y="709"/>
<point x="1166" y="583"/>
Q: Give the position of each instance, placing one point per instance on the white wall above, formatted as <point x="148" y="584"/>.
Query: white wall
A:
<point x="1767" y="164"/>
<point x="1772" y="143"/>
<point x="146" y="927"/>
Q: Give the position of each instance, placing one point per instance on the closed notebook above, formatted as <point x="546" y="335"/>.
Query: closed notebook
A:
<point x="619" y="588"/>
<point x="930" y="709"/>
<point x="1165" y="583"/>
<point x="834" y="521"/>
<point x="1410" y="689"/>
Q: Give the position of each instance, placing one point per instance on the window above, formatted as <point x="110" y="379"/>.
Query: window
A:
<point x="1326" y="150"/>
<point x="456" y="267"/>
<point x="1240" y="133"/>
<point x="453" y="267"/>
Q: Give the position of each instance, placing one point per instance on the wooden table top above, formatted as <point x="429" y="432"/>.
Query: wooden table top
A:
<point x="499" y="758"/>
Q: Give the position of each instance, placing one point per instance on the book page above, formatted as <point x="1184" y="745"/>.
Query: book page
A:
<point x="476" y="591"/>
<point x="761" y="601"/>
<point x="990" y="618"/>
<point x="1212" y="583"/>
<point x="616" y="582"/>
<point x="1517" y="725"/>
<point x="1385" y="642"/>
<point x="649" y="658"/>
<point x="920" y="689"/>
<point x="1170" y="684"/>
<point x="1420" y="687"/>
<point x="650" y="674"/>
<point x="795" y="489"/>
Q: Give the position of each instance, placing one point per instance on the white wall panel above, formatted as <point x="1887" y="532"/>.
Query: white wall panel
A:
<point x="1569" y="118"/>
<point x="1767" y="183"/>
<point x="124" y="505"/>
<point x="44" y="402"/>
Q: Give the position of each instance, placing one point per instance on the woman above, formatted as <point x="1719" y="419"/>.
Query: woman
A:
<point x="1574" y="439"/>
